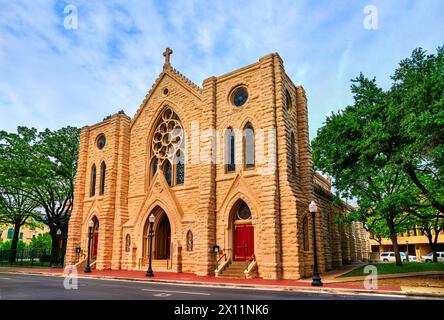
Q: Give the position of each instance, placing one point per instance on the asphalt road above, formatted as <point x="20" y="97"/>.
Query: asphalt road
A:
<point x="31" y="287"/>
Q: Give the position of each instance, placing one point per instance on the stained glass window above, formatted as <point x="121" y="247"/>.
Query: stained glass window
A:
<point x="127" y="243"/>
<point x="102" y="178"/>
<point x="180" y="168"/>
<point x="239" y="96"/>
<point x="167" y="172"/>
<point x="243" y="213"/>
<point x="249" y="146"/>
<point x="167" y="148"/>
<point x="101" y="141"/>
<point x="189" y="241"/>
<point x="293" y="154"/>
<point x="93" y="180"/>
<point x="154" y="165"/>
<point x="230" y="150"/>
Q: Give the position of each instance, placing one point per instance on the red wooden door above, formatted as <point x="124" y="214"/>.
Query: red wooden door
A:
<point x="243" y="241"/>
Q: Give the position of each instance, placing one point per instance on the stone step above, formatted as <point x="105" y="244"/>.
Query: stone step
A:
<point x="234" y="271"/>
<point x="234" y="276"/>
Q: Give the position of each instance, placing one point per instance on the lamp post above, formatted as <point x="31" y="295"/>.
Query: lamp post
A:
<point x="313" y="208"/>
<point x="90" y="236"/>
<point x="407" y="255"/>
<point x="59" y="232"/>
<point x="151" y="219"/>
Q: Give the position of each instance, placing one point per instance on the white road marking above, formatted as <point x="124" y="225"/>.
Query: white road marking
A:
<point x="5" y="278"/>
<point x="162" y="295"/>
<point x="184" y="292"/>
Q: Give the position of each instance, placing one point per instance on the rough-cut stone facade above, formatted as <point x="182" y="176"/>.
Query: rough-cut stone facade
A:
<point x="200" y="211"/>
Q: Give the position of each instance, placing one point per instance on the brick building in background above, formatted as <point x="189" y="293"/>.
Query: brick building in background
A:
<point x="414" y="241"/>
<point x="227" y="164"/>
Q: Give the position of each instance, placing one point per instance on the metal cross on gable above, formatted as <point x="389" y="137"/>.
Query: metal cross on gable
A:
<point x="168" y="52"/>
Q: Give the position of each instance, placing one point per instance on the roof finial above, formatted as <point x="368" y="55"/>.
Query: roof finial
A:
<point x="167" y="54"/>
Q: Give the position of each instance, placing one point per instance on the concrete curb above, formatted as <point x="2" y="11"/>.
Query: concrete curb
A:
<point x="251" y="286"/>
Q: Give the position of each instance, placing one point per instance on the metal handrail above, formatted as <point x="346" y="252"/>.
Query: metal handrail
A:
<point x="220" y="258"/>
<point x="248" y="259"/>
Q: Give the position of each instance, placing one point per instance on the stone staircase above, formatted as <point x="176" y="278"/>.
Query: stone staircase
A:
<point x="156" y="265"/>
<point x="235" y="270"/>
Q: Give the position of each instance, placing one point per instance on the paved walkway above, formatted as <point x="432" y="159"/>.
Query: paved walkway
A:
<point x="330" y="284"/>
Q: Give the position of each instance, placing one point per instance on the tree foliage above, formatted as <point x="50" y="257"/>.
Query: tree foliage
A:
<point x="40" y="168"/>
<point x="387" y="149"/>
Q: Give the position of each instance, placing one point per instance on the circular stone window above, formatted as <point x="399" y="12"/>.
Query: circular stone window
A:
<point x="101" y="141"/>
<point x="239" y="96"/>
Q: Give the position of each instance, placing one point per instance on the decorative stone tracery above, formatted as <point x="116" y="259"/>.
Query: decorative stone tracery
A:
<point x="168" y="137"/>
<point x="167" y="148"/>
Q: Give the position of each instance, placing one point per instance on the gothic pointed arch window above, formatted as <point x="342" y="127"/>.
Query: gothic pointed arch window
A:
<point x="127" y="243"/>
<point x="167" y="171"/>
<point x="248" y="146"/>
<point x="189" y="241"/>
<point x="293" y="155"/>
<point x="93" y="180"/>
<point x="180" y="167"/>
<point x="288" y="100"/>
<point x="167" y="148"/>
<point x="154" y="165"/>
<point x="230" y="151"/>
<point x="102" y="178"/>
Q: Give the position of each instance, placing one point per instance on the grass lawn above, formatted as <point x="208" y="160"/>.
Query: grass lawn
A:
<point x="391" y="268"/>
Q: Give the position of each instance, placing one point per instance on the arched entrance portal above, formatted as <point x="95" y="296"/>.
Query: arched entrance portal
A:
<point x="161" y="236"/>
<point x="243" y="232"/>
<point x="94" y="240"/>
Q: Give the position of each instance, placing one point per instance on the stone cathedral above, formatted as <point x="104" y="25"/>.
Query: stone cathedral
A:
<point x="225" y="170"/>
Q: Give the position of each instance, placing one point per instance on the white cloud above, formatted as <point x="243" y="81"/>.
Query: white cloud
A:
<point x="53" y="77"/>
<point x="344" y="61"/>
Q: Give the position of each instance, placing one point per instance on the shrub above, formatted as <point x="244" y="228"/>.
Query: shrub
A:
<point x="41" y="241"/>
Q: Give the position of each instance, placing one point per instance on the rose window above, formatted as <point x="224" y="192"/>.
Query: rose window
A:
<point x="168" y="136"/>
<point x="167" y="148"/>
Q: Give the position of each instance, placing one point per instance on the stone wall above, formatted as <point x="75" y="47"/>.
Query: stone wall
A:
<point x="278" y="198"/>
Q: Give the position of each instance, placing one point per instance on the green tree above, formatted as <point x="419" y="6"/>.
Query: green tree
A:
<point x="417" y="112"/>
<point x="355" y="147"/>
<point x="45" y="175"/>
<point x="53" y="181"/>
<point x="428" y="220"/>
<point x="17" y="205"/>
<point x="387" y="149"/>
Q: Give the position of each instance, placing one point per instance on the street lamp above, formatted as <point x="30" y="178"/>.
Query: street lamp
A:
<point x="90" y="237"/>
<point x="58" y="232"/>
<point x="151" y="219"/>
<point x="407" y="255"/>
<point x="313" y="208"/>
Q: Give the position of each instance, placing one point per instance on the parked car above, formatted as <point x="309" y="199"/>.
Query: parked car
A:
<point x="429" y="257"/>
<point x="411" y="257"/>
<point x="390" y="257"/>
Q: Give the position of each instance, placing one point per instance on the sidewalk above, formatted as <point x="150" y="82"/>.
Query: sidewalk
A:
<point x="258" y="283"/>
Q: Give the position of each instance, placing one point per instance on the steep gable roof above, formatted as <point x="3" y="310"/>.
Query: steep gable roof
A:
<point x="175" y="75"/>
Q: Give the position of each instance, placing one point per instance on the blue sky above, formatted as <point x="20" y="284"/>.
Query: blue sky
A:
<point x="54" y="77"/>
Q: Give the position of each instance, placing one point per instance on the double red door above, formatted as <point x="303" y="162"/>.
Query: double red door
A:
<point x="243" y="241"/>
